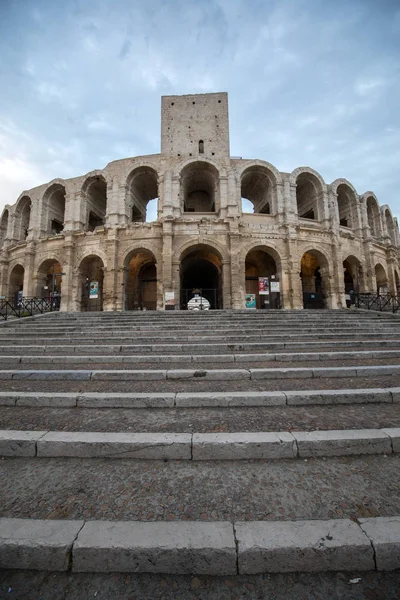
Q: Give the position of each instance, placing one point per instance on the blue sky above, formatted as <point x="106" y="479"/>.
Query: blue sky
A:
<point x="313" y="82"/>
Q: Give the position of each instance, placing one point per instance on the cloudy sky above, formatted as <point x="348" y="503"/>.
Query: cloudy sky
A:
<point x="310" y="82"/>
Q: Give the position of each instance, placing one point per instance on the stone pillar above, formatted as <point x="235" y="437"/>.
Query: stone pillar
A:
<point x="29" y="274"/>
<point x="176" y="283"/>
<point x="165" y="277"/>
<point x="293" y="261"/>
<point x="279" y="192"/>
<point x="284" y="279"/>
<point x="4" y="274"/>
<point x="226" y="284"/>
<point x="68" y="286"/>
<point x="233" y="200"/>
<point x="112" y="296"/>
<point x="391" y="265"/>
<point x="71" y="210"/>
<point x="223" y="196"/>
<point x="337" y="277"/>
<point x="167" y="208"/>
<point x="329" y="288"/>
<point x="116" y="204"/>
<point x="177" y="201"/>
<point x="237" y="273"/>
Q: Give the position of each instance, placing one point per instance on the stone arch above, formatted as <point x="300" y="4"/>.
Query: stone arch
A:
<point x="90" y="282"/>
<point x="373" y="214"/>
<point x="347" y="201"/>
<point x="310" y="190"/>
<point x="353" y="274"/>
<point x="390" y="226"/>
<point x="140" y="280"/>
<point x="16" y="282"/>
<point x="381" y="279"/>
<point x="94" y="194"/>
<point x="4" y="221"/>
<point x="201" y="276"/>
<point x="258" y="186"/>
<point x="53" y="204"/>
<point x="199" y="187"/>
<point x="216" y="246"/>
<point x="142" y="187"/>
<point x="315" y="278"/>
<point x="263" y="264"/>
<point x="49" y="278"/>
<point x="22" y="218"/>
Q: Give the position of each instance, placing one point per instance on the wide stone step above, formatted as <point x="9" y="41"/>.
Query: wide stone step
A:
<point x="200" y="374"/>
<point x="214" y="349"/>
<point x="204" y="358"/>
<point x="199" y="446"/>
<point x="216" y="548"/>
<point x="97" y="400"/>
<point x="213" y="413"/>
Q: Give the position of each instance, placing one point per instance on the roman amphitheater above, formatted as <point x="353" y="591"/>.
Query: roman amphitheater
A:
<point x="88" y="238"/>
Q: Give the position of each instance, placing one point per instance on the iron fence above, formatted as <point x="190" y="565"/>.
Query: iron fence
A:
<point x="27" y="307"/>
<point x="380" y="302"/>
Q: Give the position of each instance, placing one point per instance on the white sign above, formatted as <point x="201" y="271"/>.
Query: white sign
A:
<point x="275" y="287"/>
<point x="169" y="298"/>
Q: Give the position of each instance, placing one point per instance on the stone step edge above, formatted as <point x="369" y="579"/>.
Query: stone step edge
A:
<point x="98" y="400"/>
<point x="197" y="374"/>
<point x="268" y="445"/>
<point x="201" y="548"/>
<point x="122" y="349"/>
<point x="205" y="358"/>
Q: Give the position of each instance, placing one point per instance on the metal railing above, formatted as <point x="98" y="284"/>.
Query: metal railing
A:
<point x="380" y="302"/>
<point x="27" y="307"/>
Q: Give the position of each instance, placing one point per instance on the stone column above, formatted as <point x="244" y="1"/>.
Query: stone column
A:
<point x="68" y="286"/>
<point x="4" y="274"/>
<point x="167" y="208"/>
<point x="237" y="272"/>
<point x="112" y="296"/>
<point x="29" y="274"/>
<point x="165" y="277"/>
<point x="72" y="199"/>
<point x="176" y="283"/>
<point x="233" y="200"/>
<point x="177" y="201"/>
<point x="116" y="204"/>
<point x="226" y="284"/>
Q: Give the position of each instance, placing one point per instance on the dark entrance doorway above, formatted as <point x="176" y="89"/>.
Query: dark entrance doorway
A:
<point x="201" y="277"/>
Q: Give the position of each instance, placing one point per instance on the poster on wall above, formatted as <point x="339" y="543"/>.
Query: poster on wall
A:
<point x="169" y="298"/>
<point x="94" y="290"/>
<point x="263" y="286"/>
<point x="250" y="301"/>
<point x="275" y="287"/>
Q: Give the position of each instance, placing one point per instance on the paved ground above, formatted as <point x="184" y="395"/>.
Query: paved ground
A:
<point x="202" y="420"/>
<point x="340" y="487"/>
<point x="30" y="585"/>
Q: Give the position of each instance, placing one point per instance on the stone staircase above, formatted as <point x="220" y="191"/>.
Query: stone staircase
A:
<point x="222" y="454"/>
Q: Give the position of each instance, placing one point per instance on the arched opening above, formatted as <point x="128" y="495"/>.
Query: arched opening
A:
<point x="3" y="228"/>
<point x="257" y="187"/>
<point x="347" y="206"/>
<point x="91" y="275"/>
<point x="353" y="275"/>
<point x="308" y="195"/>
<point x="200" y="188"/>
<point x="54" y="203"/>
<point x="201" y="276"/>
<point x="140" y="281"/>
<point x="390" y="227"/>
<point x="142" y="188"/>
<point x="16" y="284"/>
<point x="23" y="218"/>
<point x="262" y="280"/>
<point x="96" y="202"/>
<point x="397" y="283"/>
<point x="201" y="147"/>
<point x="314" y="275"/>
<point x="49" y="280"/>
<point x="381" y="280"/>
<point x="373" y="217"/>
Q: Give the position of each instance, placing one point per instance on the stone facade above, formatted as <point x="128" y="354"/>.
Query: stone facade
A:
<point x="318" y="240"/>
